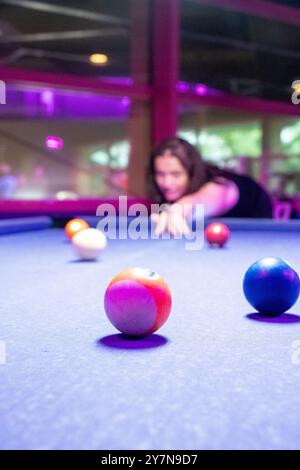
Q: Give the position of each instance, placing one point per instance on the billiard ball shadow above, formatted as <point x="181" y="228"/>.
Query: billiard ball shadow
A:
<point x="215" y="247"/>
<point x="120" y="341"/>
<point x="280" y="319"/>
<point x="82" y="261"/>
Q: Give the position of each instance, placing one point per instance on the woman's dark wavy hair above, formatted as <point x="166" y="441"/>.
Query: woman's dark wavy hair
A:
<point x="199" y="171"/>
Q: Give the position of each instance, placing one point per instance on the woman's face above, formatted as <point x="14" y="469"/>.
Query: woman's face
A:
<point x="170" y="176"/>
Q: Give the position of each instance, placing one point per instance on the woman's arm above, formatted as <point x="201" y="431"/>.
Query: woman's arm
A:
<point x="218" y="198"/>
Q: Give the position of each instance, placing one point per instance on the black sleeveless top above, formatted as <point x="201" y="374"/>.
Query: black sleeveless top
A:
<point x="254" y="201"/>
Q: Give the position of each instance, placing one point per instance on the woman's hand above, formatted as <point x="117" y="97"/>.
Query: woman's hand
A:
<point x="217" y="198"/>
<point x="161" y="221"/>
<point x="173" y="221"/>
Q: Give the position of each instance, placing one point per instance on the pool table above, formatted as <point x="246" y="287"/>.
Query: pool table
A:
<point x="215" y="376"/>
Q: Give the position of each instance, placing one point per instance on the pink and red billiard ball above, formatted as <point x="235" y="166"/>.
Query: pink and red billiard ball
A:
<point x="217" y="234"/>
<point x="137" y="302"/>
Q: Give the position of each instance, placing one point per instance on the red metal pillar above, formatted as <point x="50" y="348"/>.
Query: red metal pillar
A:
<point x="165" y="61"/>
<point x="139" y="118"/>
<point x="265" y="155"/>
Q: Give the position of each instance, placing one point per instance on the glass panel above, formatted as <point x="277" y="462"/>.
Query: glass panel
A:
<point x="60" y="36"/>
<point x="229" y="139"/>
<point x="69" y="145"/>
<point x="238" y="53"/>
<point x="234" y="140"/>
<point x="285" y="162"/>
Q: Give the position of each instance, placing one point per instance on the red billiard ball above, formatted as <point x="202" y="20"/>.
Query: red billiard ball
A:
<point x="217" y="234"/>
<point x="137" y="301"/>
<point x="74" y="226"/>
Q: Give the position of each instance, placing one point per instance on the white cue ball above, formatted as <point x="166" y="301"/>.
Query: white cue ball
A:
<point x="89" y="243"/>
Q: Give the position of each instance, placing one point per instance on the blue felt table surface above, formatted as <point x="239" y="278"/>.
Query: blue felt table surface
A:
<point x="214" y="377"/>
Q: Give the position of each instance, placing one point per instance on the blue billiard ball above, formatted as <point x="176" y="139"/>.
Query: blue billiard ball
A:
<point x="271" y="286"/>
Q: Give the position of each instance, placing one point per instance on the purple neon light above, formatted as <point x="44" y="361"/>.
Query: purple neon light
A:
<point x="47" y="96"/>
<point x="125" y="101"/>
<point x="201" y="89"/>
<point x="53" y="142"/>
<point x="183" y="86"/>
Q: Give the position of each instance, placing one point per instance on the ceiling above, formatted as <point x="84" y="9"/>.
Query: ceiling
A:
<point x="234" y="52"/>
